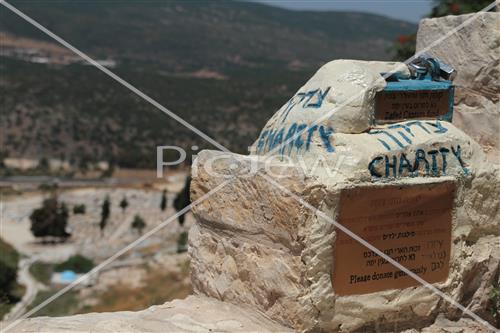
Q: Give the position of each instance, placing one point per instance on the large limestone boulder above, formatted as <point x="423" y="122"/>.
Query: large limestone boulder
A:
<point x="274" y="248"/>
<point x="193" y="314"/>
<point x="344" y="88"/>
<point x="475" y="52"/>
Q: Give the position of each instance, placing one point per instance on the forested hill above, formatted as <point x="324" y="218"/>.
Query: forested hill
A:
<point x="225" y="66"/>
<point x="216" y="34"/>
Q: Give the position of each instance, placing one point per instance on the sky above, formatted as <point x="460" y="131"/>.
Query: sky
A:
<point x="408" y="10"/>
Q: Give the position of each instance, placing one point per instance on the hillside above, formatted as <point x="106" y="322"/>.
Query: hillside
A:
<point x="186" y="35"/>
<point x="225" y="66"/>
<point x="10" y="290"/>
<point x="77" y="112"/>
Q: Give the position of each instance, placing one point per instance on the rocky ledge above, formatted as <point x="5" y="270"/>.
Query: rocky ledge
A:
<point x="193" y="314"/>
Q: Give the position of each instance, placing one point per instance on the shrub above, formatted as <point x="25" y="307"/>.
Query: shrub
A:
<point x="495" y="300"/>
<point x="8" y="276"/>
<point x="44" y="187"/>
<point x="79" y="209"/>
<point x="42" y="271"/>
<point x="43" y="164"/>
<point x="76" y="263"/>
<point x="124" y="203"/>
<point x="138" y="223"/>
<point x="182" y="242"/>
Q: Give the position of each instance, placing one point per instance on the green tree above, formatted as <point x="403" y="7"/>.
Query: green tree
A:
<point x="182" y="242"/>
<point x="138" y="224"/>
<point x="50" y="220"/>
<point x="79" y="209"/>
<point x="9" y="289"/>
<point x="457" y="7"/>
<point x="85" y="162"/>
<point x="3" y="156"/>
<point x="182" y="200"/>
<point x="64" y="214"/>
<point x="124" y="204"/>
<point x="163" y="203"/>
<point x="43" y="164"/>
<point x="404" y="47"/>
<point x="105" y="211"/>
<point x="8" y="276"/>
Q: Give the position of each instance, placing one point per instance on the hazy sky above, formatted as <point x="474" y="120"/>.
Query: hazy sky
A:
<point x="409" y="10"/>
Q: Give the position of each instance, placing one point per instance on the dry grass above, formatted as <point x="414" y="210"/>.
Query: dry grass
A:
<point x="158" y="287"/>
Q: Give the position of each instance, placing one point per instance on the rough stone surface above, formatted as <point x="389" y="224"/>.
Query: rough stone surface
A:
<point x="344" y="90"/>
<point x="256" y="245"/>
<point x="193" y="314"/>
<point x="464" y="325"/>
<point x="475" y="52"/>
<point x="346" y="156"/>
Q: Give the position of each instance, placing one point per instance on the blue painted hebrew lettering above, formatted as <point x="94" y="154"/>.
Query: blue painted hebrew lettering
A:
<point x="393" y="137"/>
<point x="310" y="99"/>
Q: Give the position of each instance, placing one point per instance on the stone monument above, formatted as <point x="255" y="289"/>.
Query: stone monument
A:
<point x="352" y="148"/>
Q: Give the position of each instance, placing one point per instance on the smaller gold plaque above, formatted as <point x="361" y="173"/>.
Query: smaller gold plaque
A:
<point x="410" y="223"/>
<point x="394" y="106"/>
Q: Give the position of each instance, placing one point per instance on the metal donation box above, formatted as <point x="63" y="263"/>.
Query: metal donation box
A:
<point x="427" y="93"/>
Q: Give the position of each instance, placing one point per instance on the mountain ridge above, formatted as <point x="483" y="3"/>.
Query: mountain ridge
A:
<point x="185" y="35"/>
<point x="225" y="67"/>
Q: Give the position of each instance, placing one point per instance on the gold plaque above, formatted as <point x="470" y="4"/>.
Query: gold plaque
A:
<point x="394" y="106"/>
<point x="409" y="223"/>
